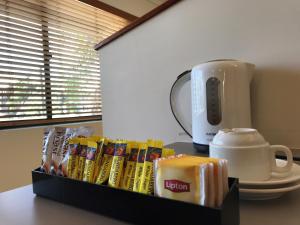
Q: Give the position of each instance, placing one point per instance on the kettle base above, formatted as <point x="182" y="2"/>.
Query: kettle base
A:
<point x="201" y="148"/>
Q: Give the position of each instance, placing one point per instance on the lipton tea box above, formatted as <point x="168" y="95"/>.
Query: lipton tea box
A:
<point x="191" y="179"/>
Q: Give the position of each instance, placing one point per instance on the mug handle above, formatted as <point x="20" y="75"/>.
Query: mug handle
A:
<point x="289" y="156"/>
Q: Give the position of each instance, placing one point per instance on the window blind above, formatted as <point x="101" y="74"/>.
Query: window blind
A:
<point x="49" y="70"/>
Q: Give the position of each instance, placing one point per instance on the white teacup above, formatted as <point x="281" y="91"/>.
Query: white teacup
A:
<point x="249" y="156"/>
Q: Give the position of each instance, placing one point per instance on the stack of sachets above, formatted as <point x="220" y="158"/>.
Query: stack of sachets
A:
<point x="198" y="180"/>
<point x="55" y="147"/>
<point x="118" y="163"/>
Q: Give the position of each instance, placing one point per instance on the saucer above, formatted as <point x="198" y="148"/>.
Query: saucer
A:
<point x="291" y="177"/>
<point x="266" y="194"/>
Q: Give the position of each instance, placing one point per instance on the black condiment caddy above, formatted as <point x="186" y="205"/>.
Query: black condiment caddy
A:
<point x="134" y="207"/>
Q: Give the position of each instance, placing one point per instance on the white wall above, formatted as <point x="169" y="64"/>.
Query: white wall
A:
<point x="21" y="152"/>
<point x="139" y="68"/>
<point x="134" y="7"/>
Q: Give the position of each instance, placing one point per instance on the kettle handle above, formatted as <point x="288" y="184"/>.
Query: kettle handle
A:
<point x="180" y="81"/>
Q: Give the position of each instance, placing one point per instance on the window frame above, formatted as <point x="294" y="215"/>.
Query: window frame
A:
<point x="47" y="67"/>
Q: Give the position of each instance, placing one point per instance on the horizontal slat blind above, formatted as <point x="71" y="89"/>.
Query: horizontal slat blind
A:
<point x="48" y="67"/>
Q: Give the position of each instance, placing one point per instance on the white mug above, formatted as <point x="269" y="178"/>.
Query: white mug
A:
<point x="249" y="156"/>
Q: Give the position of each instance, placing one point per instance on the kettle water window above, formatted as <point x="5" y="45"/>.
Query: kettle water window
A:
<point x="213" y="101"/>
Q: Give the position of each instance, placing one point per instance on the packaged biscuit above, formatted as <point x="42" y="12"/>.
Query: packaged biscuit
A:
<point x="101" y="144"/>
<point x="82" y="157"/>
<point x="73" y="158"/>
<point x="129" y="174"/>
<point x="69" y="134"/>
<point x="81" y="132"/>
<point x="117" y="164"/>
<point x="154" y="151"/>
<point x="47" y="150"/>
<point x="192" y="179"/>
<point x="62" y="168"/>
<point x="106" y="162"/>
<point x="88" y="174"/>
<point x="139" y="166"/>
<point x="65" y="146"/>
<point x="57" y="148"/>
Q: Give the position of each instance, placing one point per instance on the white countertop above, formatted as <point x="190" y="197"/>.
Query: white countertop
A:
<point x="21" y="207"/>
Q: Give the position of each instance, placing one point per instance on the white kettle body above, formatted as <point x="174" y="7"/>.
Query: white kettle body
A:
<point x="220" y="94"/>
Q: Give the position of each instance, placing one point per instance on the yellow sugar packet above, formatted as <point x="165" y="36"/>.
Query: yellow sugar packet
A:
<point x="73" y="151"/>
<point x="101" y="144"/>
<point x="154" y="151"/>
<point x="139" y="166"/>
<point x="117" y="164"/>
<point x="106" y="163"/>
<point x="88" y="174"/>
<point x="82" y="157"/>
<point x="129" y="174"/>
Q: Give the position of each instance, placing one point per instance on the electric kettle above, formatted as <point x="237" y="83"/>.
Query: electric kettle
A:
<point x="220" y="96"/>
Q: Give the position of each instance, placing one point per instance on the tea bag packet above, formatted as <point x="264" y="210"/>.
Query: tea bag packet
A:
<point x="139" y="166"/>
<point x="101" y="143"/>
<point x="47" y="150"/>
<point x="225" y="177"/>
<point x="117" y="166"/>
<point x="106" y="163"/>
<point x="88" y="174"/>
<point x="176" y="179"/>
<point x="57" y="148"/>
<point x="220" y="177"/>
<point x="129" y="174"/>
<point x="73" y="158"/>
<point x="217" y="174"/>
<point x="82" y="157"/>
<point x="207" y="170"/>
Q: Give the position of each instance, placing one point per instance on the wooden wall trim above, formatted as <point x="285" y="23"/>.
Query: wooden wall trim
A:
<point x="136" y="23"/>
<point x="111" y="9"/>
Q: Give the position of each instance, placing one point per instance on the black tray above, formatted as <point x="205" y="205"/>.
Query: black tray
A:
<point x="134" y="207"/>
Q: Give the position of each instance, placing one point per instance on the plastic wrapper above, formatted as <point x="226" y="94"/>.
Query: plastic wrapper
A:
<point x="47" y="149"/>
<point x="117" y="166"/>
<point x="57" y="148"/>
<point x="106" y="163"/>
<point x="81" y="132"/>
<point x="88" y="174"/>
<point x="62" y="168"/>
